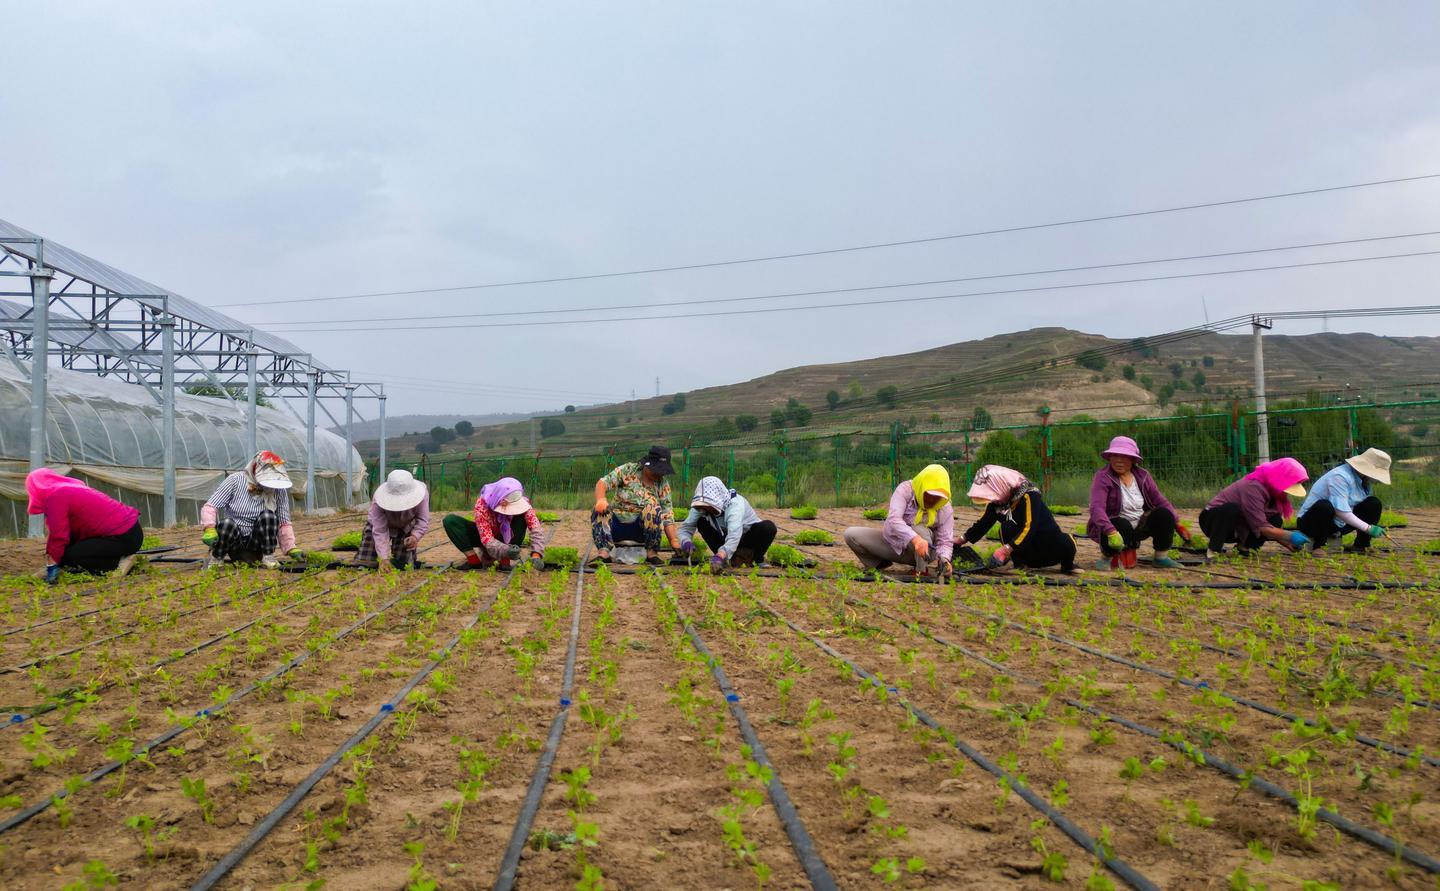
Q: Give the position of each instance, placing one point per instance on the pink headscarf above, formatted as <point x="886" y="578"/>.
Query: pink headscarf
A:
<point x="40" y="483"/>
<point x="1279" y="475"/>
<point x="996" y="483"/>
<point x="496" y="492"/>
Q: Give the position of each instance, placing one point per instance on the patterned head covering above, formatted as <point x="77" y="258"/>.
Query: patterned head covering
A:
<point x="996" y="483"/>
<point x="712" y="492"/>
<point x="1282" y="477"/>
<point x="40" y="483"/>
<point x="495" y="493"/>
<point x="269" y="465"/>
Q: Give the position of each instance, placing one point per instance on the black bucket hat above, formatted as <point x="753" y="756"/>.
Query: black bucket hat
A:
<point x="658" y="461"/>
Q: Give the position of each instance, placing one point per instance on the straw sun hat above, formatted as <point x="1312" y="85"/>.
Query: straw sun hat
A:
<point x="1372" y="463"/>
<point x="399" y="492"/>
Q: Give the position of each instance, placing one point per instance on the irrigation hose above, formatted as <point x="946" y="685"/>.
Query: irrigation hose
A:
<point x="1354" y="830"/>
<point x="1124" y="871"/>
<point x="520" y="834"/>
<point x="214" y="711"/>
<point x="800" y="841"/>
<point x="272" y="819"/>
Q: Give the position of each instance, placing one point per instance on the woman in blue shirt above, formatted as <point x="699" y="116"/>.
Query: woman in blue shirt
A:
<point x="1343" y="498"/>
<point x="735" y="533"/>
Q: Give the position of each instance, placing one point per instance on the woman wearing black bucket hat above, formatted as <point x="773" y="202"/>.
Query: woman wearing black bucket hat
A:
<point x="632" y="503"/>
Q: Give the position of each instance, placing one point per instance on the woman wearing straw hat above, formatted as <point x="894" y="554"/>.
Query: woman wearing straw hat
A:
<point x="1344" y="498"/>
<point x="1126" y="508"/>
<point x="256" y="502"/>
<point x="399" y="518"/>
<point x="503" y="517"/>
<point x="86" y="531"/>
<point x="1250" y="511"/>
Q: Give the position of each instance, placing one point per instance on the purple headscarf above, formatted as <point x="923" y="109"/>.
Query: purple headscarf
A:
<point x="496" y="492"/>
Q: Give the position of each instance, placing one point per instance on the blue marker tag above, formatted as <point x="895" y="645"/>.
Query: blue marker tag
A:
<point x="893" y="689"/>
<point x="564" y="703"/>
<point x="1203" y="686"/>
<point x="16" y="719"/>
<point x="387" y="707"/>
<point x="733" y="697"/>
<point x="203" y="713"/>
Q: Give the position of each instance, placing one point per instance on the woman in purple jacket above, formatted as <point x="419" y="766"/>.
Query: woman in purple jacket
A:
<point x="1126" y="508"/>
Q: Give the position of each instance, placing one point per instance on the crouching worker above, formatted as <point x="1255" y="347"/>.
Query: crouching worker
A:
<point x="1029" y="536"/>
<point x="919" y="527"/>
<point x="399" y="518"/>
<point x="1250" y="511"/>
<point x="642" y="510"/>
<point x="86" y="531"/>
<point x="1126" y="507"/>
<point x="734" y="532"/>
<point x="503" y="517"/>
<point x="1344" y="497"/>
<point x="256" y="503"/>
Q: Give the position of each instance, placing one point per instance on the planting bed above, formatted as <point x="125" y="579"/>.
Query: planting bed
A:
<point x="1268" y="721"/>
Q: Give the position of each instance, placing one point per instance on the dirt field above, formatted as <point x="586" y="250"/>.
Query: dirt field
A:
<point x="1220" y="726"/>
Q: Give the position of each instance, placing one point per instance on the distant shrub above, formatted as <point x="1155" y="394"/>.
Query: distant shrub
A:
<point x="814" y="537"/>
<point x="1092" y="360"/>
<point x="804" y="512"/>
<point x="887" y="395"/>
<point x="551" y="427"/>
<point x="746" y="423"/>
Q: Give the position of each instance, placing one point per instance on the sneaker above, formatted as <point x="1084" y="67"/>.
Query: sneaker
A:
<point x="124" y="567"/>
<point x="1166" y="563"/>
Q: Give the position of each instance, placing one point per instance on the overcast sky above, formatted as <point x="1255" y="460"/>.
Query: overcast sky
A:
<point x="268" y="151"/>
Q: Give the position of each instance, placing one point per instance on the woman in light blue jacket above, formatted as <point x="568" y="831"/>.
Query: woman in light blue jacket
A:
<point x="735" y="533"/>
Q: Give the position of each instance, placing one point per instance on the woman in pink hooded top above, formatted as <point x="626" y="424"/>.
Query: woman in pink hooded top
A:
<point x="1250" y="511"/>
<point x="88" y="531"/>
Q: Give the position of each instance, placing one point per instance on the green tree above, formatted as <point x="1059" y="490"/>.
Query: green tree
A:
<point x="887" y="396"/>
<point x="746" y="423"/>
<point x="1176" y="369"/>
<point x="1198" y="379"/>
<point x="1128" y="372"/>
<point x="854" y="390"/>
<point x="427" y="448"/>
<point x="465" y="429"/>
<point x="777" y="418"/>
<point x="612" y="422"/>
<point x="832" y="399"/>
<point x="1092" y="360"/>
<point x="442" y="435"/>
<point x="981" y="419"/>
<point x="551" y="427"/>
<point x="569" y="409"/>
<point x="796" y="413"/>
<point x="1208" y="361"/>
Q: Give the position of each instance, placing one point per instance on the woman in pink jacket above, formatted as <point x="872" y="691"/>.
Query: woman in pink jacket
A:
<point x="88" y="531"/>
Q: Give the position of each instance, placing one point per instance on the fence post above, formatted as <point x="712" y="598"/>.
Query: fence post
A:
<point x="469" y="478"/>
<point x="730" y="480"/>
<point x="685" y="472"/>
<point x="1351" y="419"/>
<point x="894" y="455"/>
<point x="835" y="453"/>
<point x="781" y="465"/>
<point x="969" y="462"/>
<point x="1047" y="451"/>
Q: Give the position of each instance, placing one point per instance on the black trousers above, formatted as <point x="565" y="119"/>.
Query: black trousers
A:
<point x="1158" y="524"/>
<point x="1222" y="526"/>
<point x="102" y="553"/>
<point x="1318" y="523"/>
<point x="753" y="544"/>
<point x="1037" y="552"/>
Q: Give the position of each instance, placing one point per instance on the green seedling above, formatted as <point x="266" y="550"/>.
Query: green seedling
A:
<point x="194" y="789"/>
<point x="814" y="537"/>
<point x="804" y="512"/>
<point x="876" y="513"/>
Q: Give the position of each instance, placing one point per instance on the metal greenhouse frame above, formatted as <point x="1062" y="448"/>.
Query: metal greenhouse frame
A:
<point x="92" y="318"/>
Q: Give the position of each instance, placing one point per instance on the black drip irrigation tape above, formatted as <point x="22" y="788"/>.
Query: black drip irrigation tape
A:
<point x="214" y="711"/>
<point x="1197" y="685"/>
<point x="50" y="657"/>
<point x="264" y="827"/>
<point x="1350" y="828"/>
<point x="520" y="834"/>
<point x="99" y="609"/>
<point x="19" y="718"/>
<point x="800" y="841"/>
<point x="86" y="592"/>
<point x="1124" y="871"/>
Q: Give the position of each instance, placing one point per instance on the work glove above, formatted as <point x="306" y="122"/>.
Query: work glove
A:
<point x="512" y="553"/>
<point x="717" y="563"/>
<point x="1299" y="540"/>
<point x="687" y="547"/>
<point x="999" y="557"/>
<point x="411" y="543"/>
<point x="209" y="537"/>
<point x="1183" y="530"/>
<point x="1115" y="540"/>
<point x="52" y="573"/>
<point x="1377" y="532"/>
<point x="537" y="562"/>
<point x="945" y="569"/>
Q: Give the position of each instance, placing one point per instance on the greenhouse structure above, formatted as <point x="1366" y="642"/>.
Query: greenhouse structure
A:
<point x="97" y="372"/>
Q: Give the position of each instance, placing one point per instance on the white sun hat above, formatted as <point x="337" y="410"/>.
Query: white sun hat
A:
<point x="1372" y="463"/>
<point x="272" y="477"/>
<point x="400" y="492"/>
<point x="514" y="504"/>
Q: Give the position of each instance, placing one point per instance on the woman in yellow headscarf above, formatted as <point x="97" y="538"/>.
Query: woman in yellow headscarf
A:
<point x="919" y="528"/>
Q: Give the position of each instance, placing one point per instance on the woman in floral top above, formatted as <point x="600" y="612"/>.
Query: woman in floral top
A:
<point x="641" y="509"/>
<point x="503" y="519"/>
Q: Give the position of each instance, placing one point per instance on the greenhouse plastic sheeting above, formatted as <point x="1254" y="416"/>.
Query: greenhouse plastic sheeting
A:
<point x="111" y="433"/>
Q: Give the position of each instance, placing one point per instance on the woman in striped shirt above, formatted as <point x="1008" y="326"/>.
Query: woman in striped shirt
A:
<point x="256" y="502"/>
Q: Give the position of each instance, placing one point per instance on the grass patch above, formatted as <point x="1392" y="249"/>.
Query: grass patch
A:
<point x="1065" y="510"/>
<point x="814" y="537"/>
<point x="346" y="541"/>
<point x="1391" y="520"/>
<point x="876" y="513"/>
<point x="804" y="512"/>
<point x="784" y="555"/>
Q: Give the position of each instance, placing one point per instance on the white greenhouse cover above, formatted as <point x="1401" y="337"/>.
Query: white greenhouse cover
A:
<point x="112" y="431"/>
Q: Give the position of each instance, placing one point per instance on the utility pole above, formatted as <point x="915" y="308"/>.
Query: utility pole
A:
<point x="657" y="385"/>
<point x="40" y="278"/>
<point x="1262" y="420"/>
<point x="532" y="433"/>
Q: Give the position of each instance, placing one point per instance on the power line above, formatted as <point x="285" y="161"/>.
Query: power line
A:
<point x="1029" y="227"/>
<point x="281" y="324"/>
<point x="896" y="300"/>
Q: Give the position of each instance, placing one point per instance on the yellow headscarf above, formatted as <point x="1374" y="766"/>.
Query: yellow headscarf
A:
<point x="933" y="478"/>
